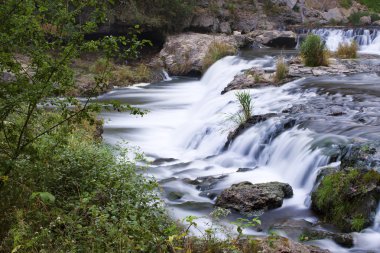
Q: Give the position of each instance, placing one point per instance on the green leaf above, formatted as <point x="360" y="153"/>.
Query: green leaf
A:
<point x="45" y="197"/>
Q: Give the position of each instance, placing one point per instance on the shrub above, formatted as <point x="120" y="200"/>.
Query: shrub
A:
<point x="314" y="52"/>
<point x="347" y="50"/>
<point x="216" y="51"/>
<point x="281" y="70"/>
<point x="74" y="195"/>
<point x="354" y="18"/>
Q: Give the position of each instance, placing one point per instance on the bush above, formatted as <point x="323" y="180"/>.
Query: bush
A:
<point x="216" y="51"/>
<point x="281" y="70"/>
<point x="373" y="5"/>
<point x="314" y="52"/>
<point x="347" y="50"/>
<point x="74" y="195"/>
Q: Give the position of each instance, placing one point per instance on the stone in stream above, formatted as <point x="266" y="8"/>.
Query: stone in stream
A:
<point x="307" y="231"/>
<point x="205" y="183"/>
<point x="246" y="197"/>
<point x="348" y="198"/>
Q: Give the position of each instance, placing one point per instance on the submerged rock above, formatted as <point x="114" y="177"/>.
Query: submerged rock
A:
<point x="247" y="197"/>
<point x="307" y="231"/>
<point x="205" y="183"/>
<point x="348" y="198"/>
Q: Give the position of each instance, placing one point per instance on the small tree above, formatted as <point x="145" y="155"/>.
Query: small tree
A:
<point x="314" y="52"/>
<point x="38" y="42"/>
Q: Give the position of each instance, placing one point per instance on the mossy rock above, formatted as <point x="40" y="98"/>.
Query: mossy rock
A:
<point x="348" y="199"/>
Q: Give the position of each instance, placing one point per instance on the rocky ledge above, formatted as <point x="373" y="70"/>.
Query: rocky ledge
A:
<point x="246" y="197"/>
<point x="256" y="78"/>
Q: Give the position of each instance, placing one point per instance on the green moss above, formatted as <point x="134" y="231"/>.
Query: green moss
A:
<point x="342" y="196"/>
<point x="371" y="4"/>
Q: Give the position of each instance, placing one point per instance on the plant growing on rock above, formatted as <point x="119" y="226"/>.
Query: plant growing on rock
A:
<point x="347" y="50"/>
<point x="282" y="70"/>
<point x="314" y="52"/>
<point x="246" y="106"/>
<point x="216" y="51"/>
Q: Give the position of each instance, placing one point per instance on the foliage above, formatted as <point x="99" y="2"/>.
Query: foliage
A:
<point x="37" y="44"/>
<point x="281" y="70"/>
<point x="271" y="8"/>
<point x="216" y="51"/>
<point x="346" y="3"/>
<point x="341" y="196"/>
<point x="354" y="18"/>
<point x="373" y="5"/>
<point x="246" y="108"/>
<point x="347" y="50"/>
<point x="74" y="195"/>
<point x="210" y="241"/>
<point x="314" y="52"/>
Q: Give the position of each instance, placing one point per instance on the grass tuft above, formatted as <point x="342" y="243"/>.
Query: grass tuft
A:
<point x="216" y="51"/>
<point x="347" y="50"/>
<point x="281" y="70"/>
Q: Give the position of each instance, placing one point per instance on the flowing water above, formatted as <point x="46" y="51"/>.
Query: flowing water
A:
<point x="367" y="39"/>
<point x="186" y="129"/>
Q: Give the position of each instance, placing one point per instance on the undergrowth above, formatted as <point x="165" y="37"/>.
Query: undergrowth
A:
<point x="216" y="51"/>
<point x="313" y="51"/>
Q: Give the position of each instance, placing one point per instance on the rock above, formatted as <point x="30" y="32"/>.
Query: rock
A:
<point x="184" y="54"/>
<point x="249" y="123"/>
<point x="359" y="155"/>
<point x="333" y="14"/>
<point x="348" y="198"/>
<point x="365" y="20"/>
<point x="277" y="39"/>
<point x="245" y="169"/>
<point x="377" y="23"/>
<point x="236" y="33"/>
<point x="307" y="231"/>
<point x="247" y="197"/>
<point x="205" y="183"/>
<point x="204" y="22"/>
<point x="277" y="244"/>
<point x="225" y="28"/>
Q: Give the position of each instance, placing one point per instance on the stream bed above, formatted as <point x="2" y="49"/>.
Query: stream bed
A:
<point x="184" y="136"/>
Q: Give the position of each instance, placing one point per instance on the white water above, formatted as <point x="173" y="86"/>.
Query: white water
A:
<point x="367" y="39"/>
<point x="188" y="122"/>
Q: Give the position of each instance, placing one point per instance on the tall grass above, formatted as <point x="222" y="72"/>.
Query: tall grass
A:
<point x="281" y="70"/>
<point x="314" y="52"/>
<point x="216" y="51"/>
<point x="246" y="106"/>
<point x="347" y="50"/>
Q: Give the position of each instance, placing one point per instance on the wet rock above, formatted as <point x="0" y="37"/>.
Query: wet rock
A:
<point x="307" y="231"/>
<point x="245" y="169"/>
<point x="205" y="183"/>
<point x="275" y="38"/>
<point x="184" y="54"/>
<point x="174" y="195"/>
<point x="246" y="197"/>
<point x="348" y="198"/>
<point x="359" y="155"/>
<point x="249" y="123"/>
<point x="160" y="161"/>
<point x="279" y="244"/>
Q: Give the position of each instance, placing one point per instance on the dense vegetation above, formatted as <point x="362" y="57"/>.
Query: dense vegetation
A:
<point x="61" y="189"/>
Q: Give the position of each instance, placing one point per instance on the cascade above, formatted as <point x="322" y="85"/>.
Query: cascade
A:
<point x="368" y="39"/>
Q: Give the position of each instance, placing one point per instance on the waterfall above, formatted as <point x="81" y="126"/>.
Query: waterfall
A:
<point x="165" y="75"/>
<point x="367" y="39"/>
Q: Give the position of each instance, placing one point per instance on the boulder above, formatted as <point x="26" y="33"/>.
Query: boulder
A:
<point x="277" y="39"/>
<point x="225" y="28"/>
<point x="204" y="22"/>
<point x="377" y="23"/>
<point x="184" y="54"/>
<point x="246" y="197"/>
<point x="348" y="198"/>
<point x="365" y="20"/>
